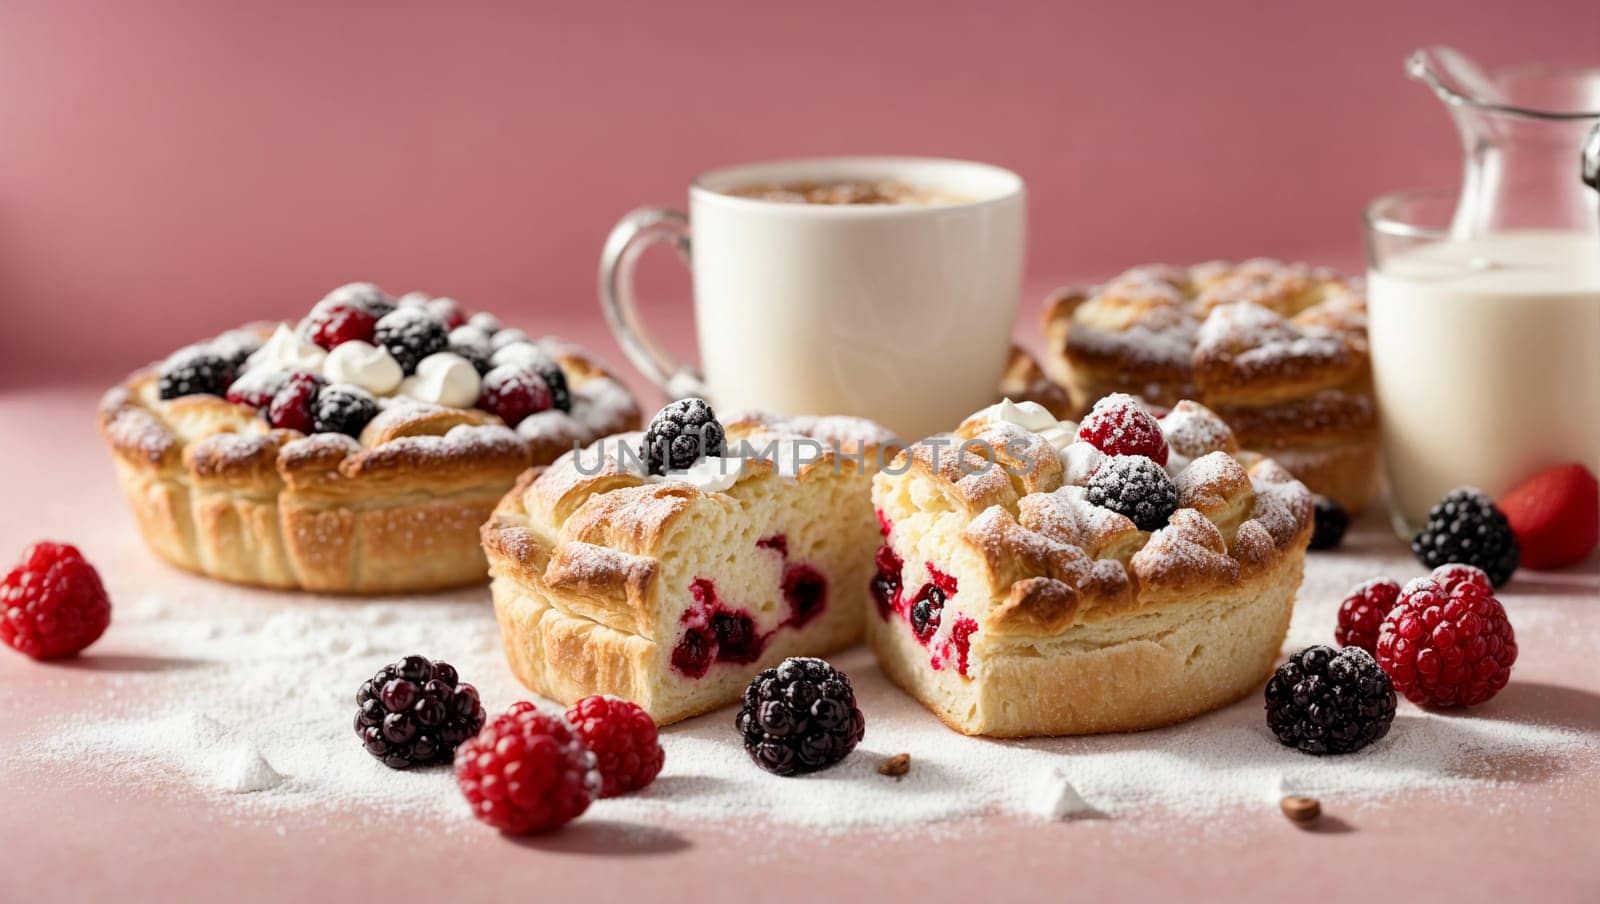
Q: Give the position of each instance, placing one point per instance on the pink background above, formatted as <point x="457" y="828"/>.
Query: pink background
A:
<point x="170" y="169"/>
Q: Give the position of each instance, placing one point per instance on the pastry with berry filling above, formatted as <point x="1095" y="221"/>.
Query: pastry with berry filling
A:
<point x="1044" y="577"/>
<point x="669" y="567"/>
<point x="1278" y="350"/>
<point x="357" y="451"/>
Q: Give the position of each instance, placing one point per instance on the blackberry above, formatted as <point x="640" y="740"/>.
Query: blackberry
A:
<point x="343" y="408"/>
<point x="1466" y="527"/>
<point x="680" y="435"/>
<point x="927" y="611"/>
<point x="194" y="371"/>
<point x="411" y="334"/>
<point x="416" y="713"/>
<point x="236" y="347"/>
<point x="556" y="379"/>
<point x="1134" y="486"/>
<point x="800" y="717"/>
<point x="1324" y="701"/>
<point x="473" y="344"/>
<point x="1331" y="522"/>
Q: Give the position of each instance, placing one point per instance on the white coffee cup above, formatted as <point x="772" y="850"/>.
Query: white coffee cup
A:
<point x="897" y="312"/>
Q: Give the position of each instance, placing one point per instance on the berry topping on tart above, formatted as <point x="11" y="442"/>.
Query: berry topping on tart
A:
<point x="194" y="371"/>
<point x="343" y="408"/>
<point x="1119" y="425"/>
<point x="1135" y="486"/>
<point x="680" y="435"/>
<point x="332" y="325"/>
<point x="411" y="334"/>
<point x="512" y="394"/>
<point x="472" y="344"/>
<point x="293" y="407"/>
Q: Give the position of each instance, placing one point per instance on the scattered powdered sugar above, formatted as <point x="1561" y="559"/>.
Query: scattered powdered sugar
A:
<point x="249" y="698"/>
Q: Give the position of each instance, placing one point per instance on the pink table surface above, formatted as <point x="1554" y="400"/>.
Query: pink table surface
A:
<point x="1531" y="836"/>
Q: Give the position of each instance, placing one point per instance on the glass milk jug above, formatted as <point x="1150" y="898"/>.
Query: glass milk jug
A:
<point x="1484" y="300"/>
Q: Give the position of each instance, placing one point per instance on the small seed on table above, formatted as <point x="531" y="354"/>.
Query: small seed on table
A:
<point x="1300" y="809"/>
<point x="896" y="766"/>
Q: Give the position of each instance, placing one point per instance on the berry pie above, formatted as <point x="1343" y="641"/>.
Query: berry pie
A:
<point x="1279" y="351"/>
<point x="669" y="567"/>
<point x="1043" y="577"/>
<point x="355" y="452"/>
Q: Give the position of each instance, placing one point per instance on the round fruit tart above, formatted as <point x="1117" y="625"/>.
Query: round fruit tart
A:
<point x="356" y="452"/>
<point x="671" y="567"/>
<point x="1278" y="350"/>
<point x="1041" y="577"/>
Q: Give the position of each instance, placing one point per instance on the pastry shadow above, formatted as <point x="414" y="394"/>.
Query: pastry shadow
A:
<point x="1538" y="703"/>
<point x="607" y="838"/>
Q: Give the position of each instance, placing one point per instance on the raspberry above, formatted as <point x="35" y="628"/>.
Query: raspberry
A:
<point x="448" y="310"/>
<point x="473" y="344"/>
<point x="1362" y="611"/>
<point x="364" y="295"/>
<point x="623" y="738"/>
<point x="293" y="407"/>
<point x="511" y="394"/>
<point x="800" y="717"/>
<point x="527" y="771"/>
<point x="194" y="371"/>
<point x="1119" y="425"/>
<point x="411" y="334"/>
<point x="1135" y="486"/>
<point x="416" y="712"/>
<point x="338" y="323"/>
<point x="1466" y="527"/>
<point x="1454" y="574"/>
<point x="343" y="408"/>
<point x="1321" y="701"/>
<point x="1447" y="647"/>
<point x="1555" y="515"/>
<point x="52" y="604"/>
<point x="256" y="388"/>
<point x="681" y="434"/>
<point x="886" y="583"/>
<point x="1331" y="522"/>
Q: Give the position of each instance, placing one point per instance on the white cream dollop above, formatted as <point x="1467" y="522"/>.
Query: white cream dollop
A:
<point x="365" y="365"/>
<point x="712" y="474"/>
<point x="1079" y="459"/>
<point x="522" y="354"/>
<point x="1027" y="415"/>
<point x="287" y="349"/>
<point x="444" y="378"/>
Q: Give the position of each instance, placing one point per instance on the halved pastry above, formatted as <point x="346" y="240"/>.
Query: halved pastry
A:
<point x="358" y="451"/>
<point x="668" y="568"/>
<point x="1045" y="578"/>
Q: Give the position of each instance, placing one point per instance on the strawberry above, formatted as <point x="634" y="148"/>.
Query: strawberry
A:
<point x="1555" y="515"/>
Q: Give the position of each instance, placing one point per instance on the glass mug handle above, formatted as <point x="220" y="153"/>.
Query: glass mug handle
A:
<point x="628" y="241"/>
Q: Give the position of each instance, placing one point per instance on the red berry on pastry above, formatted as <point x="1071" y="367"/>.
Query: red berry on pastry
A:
<point x="335" y="324"/>
<point x="1119" y="425"/>
<point x="527" y="771"/>
<point x="1555" y="515"/>
<point x="257" y="387"/>
<point x="1447" y="647"/>
<point x="511" y="394"/>
<point x="52" y="604"/>
<point x="623" y="738"/>
<point x="447" y="310"/>
<point x="1362" y="612"/>
<point x="293" y="407"/>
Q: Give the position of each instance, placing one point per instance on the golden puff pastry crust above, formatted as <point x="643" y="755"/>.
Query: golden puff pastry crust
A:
<point x="1278" y="350"/>
<point x="1044" y="614"/>
<point x="673" y="593"/>
<point x="215" y="491"/>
